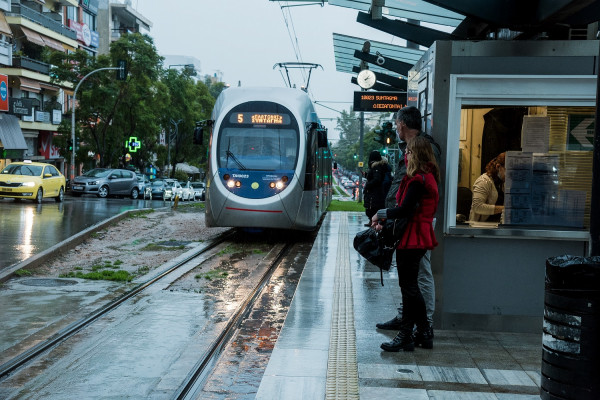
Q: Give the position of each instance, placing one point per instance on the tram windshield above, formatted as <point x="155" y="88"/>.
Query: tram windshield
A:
<point x="254" y="148"/>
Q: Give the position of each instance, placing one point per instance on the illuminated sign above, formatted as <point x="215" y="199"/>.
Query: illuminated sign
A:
<point x="133" y="144"/>
<point x="259" y="118"/>
<point x="379" y="101"/>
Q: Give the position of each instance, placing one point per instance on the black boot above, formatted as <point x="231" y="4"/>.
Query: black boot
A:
<point x="402" y="341"/>
<point x="392" y="325"/>
<point x="424" y="337"/>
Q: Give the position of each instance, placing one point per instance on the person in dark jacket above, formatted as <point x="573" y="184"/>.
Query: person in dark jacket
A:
<point x="374" y="197"/>
<point x="408" y="126"/>
<point x="417" y="196"/>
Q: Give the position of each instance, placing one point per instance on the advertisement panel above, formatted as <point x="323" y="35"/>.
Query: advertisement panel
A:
<point x="3" y="92"/>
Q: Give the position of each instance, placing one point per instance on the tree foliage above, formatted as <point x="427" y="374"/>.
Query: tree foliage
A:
<point x="110" y="111"/>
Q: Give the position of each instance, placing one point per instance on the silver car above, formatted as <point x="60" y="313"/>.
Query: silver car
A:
<point x="105" y="182"/>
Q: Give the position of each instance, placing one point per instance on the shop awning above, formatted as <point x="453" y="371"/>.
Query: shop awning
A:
<point x="30" y="85"/>
<point x="4" y="27"/>
<point x="32" y="36"/>
<point x="53" y="44"/>
<point x="11" y="135"/>
<point x="48" y="87"/>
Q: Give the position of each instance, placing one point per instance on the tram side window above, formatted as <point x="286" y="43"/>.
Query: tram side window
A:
<point x="547" y="174"/>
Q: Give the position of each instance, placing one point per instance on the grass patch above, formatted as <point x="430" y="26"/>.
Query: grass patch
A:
<point x="158" y="247"/>
<point x="214" y="274"/>
<point x="338" y="205"/>
<point x="140" y="213"/>
<point x="23" y="272"/>
<point x="142" y="270"/>
<point x="227" y="250"/>
<point x="101" y="275"/>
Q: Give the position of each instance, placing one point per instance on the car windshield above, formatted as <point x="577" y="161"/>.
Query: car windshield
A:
<point x="20" y="169"/>
<point x="158" y="183"/>
<point x="197" y="185"/>
<point x="97" y="173"/>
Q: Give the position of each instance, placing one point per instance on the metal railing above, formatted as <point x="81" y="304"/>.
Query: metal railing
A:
<point x="31" y="64"/>
<point x="39" y="18"/>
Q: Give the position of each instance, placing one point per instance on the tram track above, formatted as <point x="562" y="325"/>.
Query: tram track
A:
<point x="22" y="359"/>
<point x="188" y="387"/>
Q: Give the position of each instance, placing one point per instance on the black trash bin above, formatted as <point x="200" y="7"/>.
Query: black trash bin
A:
<point x="571" y="339"/>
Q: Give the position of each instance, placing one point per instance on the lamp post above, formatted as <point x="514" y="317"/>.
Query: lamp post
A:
<point x="73" y="116"/>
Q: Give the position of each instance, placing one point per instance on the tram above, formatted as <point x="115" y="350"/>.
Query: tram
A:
<point x="269" y="161"/>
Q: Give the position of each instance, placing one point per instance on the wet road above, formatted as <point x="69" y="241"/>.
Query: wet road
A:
<point x="28" y="228"/>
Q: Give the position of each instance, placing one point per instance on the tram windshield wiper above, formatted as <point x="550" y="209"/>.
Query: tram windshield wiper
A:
<point x="234" y="158"/>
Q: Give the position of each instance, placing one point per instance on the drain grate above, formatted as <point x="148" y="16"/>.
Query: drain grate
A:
<point x="48" y="282"/>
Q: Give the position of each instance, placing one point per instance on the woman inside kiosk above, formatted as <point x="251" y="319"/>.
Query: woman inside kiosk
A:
<point x="488" y="192"/>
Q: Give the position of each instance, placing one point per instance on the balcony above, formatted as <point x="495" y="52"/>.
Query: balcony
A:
<point x="31" y="64"/>
<point x="19" y="10"/>
<point x="5" y="53"/>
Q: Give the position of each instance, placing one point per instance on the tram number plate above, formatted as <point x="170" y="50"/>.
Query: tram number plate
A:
<point x="77" y="187"/>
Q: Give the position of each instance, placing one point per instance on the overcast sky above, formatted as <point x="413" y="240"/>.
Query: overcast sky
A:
<point x="242" y="39"/>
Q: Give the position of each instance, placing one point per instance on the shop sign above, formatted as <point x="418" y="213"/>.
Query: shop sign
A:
<point x="379" y="101"/>
<point x="56" y="117"/>
<point x="42" y="116"/>
<point x="84" y="34"/>
<point x="47" y="148"/>
<point x="3" y="93"/>
<point x="20" y="106"/>
<point x="581" y="129"/>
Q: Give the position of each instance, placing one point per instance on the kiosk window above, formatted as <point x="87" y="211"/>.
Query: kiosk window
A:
<point x="547" y="171"/>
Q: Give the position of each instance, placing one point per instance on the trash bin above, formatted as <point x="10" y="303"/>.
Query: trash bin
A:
<point x="571" y="338"/>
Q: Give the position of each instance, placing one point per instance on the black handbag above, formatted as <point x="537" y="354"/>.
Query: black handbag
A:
<point x="371" y="245"/>
<point x="393" y="229"/>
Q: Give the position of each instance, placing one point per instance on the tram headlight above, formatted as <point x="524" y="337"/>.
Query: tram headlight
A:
<point x="230" y="183"/>
<point x="279" y="185"/>
<point x="238" y="184"/>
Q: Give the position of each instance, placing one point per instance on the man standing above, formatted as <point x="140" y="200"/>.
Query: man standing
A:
<point x="408" y="125"/>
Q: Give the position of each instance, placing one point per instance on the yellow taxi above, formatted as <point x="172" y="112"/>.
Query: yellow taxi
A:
<point x="32" y="180"/>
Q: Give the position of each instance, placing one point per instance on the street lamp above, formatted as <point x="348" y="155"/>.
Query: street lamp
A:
<point x="73" y="115"/>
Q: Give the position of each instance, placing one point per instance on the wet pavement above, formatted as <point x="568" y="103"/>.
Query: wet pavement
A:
<point x="28" y="228"/>
<point x="329" y="346"/>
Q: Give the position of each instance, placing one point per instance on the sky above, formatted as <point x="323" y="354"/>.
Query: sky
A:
<point x="241" y="40"/>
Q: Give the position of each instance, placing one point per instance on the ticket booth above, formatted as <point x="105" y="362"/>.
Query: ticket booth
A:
<point x="535" y="101"/>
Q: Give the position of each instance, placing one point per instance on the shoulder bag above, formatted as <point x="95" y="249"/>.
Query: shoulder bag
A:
<point x="370" y="244"/>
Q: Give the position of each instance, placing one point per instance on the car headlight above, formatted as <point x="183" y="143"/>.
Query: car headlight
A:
<point x="28" y="184"/>
<point x="92" y="182"/>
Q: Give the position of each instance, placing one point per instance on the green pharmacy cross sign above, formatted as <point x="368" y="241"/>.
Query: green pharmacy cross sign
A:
<point x="133" y="144"/>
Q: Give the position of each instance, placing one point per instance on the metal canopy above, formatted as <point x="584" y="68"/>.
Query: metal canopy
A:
<point x="414" y="9"/>
<point x="344" y="47"/>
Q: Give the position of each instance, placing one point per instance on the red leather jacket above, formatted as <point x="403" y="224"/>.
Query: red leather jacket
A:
<point x="419" y="231"/>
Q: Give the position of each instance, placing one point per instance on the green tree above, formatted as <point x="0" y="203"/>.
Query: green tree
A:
<point x="110" y="111"/>
<point x="188" y="102"/>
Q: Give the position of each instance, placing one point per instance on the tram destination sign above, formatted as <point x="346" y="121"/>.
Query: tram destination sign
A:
<point x="379" y="101"/>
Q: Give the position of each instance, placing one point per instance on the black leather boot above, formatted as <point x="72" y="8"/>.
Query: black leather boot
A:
<point x="424" y="337"/>
<point x="392" y="325"/>
<point x="402" y="341"/>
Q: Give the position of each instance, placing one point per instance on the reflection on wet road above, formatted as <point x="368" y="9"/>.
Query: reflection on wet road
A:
<point x="28" y="228"/>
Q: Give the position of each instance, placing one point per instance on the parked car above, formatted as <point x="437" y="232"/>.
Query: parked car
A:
<point x="144" y="186"/>
<point x="187" y="191"/>
<point x="199" y="190"/>
<point x="105" y="182"/>
<point x="175" y="187"/>
<point x="32" y="180"/>
<point x="160" y="190"/>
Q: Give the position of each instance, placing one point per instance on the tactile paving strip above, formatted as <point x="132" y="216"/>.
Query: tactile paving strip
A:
<point x="342" y="365"/>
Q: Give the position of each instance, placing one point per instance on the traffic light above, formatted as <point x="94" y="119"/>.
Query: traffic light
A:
<point x="70" y="145"/>
<point x="355" y="155"/>
<point x="389" y="134"/>
<point x="380" y="136"/>
<point x="198" y="134"/>
<point x="122" y="71"/>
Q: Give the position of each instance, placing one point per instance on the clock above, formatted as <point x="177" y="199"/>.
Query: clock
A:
<point x="366" y="79"/>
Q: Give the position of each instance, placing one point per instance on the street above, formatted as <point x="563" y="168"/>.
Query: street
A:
<point x="29" y="228"/>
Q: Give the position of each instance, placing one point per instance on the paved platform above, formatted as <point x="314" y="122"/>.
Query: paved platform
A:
<point x="329" y="346"/>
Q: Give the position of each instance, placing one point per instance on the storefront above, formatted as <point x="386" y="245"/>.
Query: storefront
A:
<point x="535" y="101"/>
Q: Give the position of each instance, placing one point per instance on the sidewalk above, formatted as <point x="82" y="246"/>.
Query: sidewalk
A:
<point x="329" y="346"/>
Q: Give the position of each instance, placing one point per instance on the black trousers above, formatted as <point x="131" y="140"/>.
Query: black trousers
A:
<point x="413" y="305"/>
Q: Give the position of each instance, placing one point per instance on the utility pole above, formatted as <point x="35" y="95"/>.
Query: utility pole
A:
<point x="172" y="136"/>
<point x="360" y="155"/>
<point x="73" y="115"/>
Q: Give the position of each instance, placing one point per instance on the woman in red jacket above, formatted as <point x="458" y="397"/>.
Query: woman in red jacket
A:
<point x="417" y="196"/>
